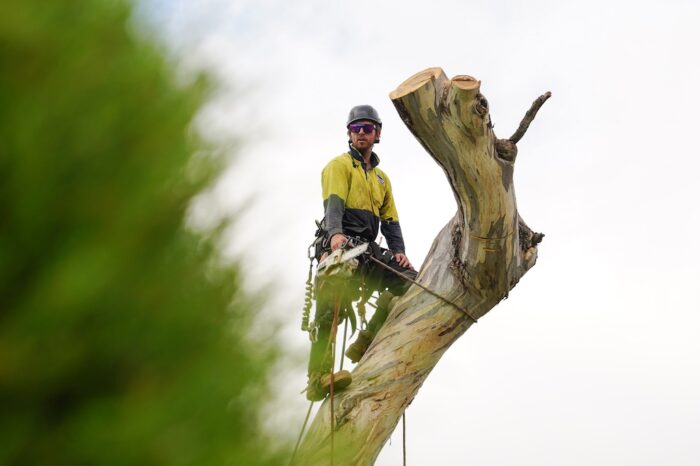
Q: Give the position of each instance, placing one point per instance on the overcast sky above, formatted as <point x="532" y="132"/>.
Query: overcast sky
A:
<point x="595" y="357"/>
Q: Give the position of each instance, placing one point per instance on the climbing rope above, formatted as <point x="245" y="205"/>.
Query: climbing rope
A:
<point x="301" y="433"/>
<point x="334" y="329"/>
<point x="361" y="309"/>
<point x="434" y="293"/>
<point x="345" y="339"/>
<point x="404" y="438"/>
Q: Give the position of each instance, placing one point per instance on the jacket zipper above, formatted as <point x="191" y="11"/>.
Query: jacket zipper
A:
<point x="369" y="191"/>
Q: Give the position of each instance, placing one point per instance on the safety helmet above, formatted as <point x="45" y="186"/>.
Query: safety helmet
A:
<point x="363" y="112"/>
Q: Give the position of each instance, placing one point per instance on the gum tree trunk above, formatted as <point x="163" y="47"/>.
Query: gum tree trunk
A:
<point x="477" y="258"/>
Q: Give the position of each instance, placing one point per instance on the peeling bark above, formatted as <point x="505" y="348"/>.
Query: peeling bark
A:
<point x="475" y="260"/>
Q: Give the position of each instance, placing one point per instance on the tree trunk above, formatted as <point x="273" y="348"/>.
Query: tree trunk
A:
<point x="474" y="262"/>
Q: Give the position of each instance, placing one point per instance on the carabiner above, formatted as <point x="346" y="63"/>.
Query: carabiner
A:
<point x="313" y="332"/>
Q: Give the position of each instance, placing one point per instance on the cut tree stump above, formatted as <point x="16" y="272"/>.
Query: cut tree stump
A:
<point x="477" y="258"/>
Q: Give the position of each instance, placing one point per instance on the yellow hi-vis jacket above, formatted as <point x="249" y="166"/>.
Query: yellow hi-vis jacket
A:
<point x="357" y="199"/>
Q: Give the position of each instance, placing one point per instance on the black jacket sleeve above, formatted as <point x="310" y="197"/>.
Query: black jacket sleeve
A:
<point x="334" y="210"/>
<point x="394" y="237"/>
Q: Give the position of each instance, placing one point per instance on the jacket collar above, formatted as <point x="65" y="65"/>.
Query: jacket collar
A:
<point x="355" y="154"/>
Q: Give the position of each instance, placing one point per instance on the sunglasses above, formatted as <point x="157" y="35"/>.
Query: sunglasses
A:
<point x="366" y="127"/>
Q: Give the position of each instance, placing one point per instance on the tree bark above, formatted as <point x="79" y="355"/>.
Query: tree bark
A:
<point x="477" y="258"/>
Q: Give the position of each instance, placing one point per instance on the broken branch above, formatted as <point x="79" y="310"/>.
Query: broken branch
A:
<point x="529" y="116"/>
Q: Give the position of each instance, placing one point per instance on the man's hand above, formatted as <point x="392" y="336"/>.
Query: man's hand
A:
<point x="403" y="260"/>
<point x="337" y="241"/>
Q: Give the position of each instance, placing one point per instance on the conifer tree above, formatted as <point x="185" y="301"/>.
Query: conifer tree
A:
<point x="124" y="337"/>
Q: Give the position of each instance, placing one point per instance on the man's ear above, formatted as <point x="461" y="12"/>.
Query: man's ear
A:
<point x="379" y="133"/>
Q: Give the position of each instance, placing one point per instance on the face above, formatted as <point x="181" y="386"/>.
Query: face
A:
<point x="364" y="140"/>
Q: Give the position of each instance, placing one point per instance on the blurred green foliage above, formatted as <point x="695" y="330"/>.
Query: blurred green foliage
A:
<point x="124" y="339"/>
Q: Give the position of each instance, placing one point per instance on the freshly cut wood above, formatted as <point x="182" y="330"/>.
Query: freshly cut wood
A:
<point x="475" y="260"/>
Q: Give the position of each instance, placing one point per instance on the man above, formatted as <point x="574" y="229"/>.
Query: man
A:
<point x="357" y="199"/>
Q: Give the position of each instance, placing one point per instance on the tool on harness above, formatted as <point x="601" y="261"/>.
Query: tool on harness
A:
<point x="309" y="294"/>
<point x="313" y="252"/>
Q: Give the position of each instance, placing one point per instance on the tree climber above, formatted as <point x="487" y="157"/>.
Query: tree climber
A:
<point x="357" y="199"/>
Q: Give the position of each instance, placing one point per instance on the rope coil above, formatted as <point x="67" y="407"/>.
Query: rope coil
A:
<point x="309" y="290"/>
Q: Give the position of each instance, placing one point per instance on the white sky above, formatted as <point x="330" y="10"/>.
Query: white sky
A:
<point x="595" y="357"/>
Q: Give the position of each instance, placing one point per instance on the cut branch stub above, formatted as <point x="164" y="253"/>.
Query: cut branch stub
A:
<point x="451" y="118"/>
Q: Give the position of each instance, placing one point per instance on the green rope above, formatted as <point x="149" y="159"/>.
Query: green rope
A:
<point x="301" y="434"/>
<point x="404" y="438"/>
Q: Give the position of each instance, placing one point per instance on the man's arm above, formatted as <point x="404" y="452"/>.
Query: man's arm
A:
<point x="335" y="185"/>
<point x="391" y="229"/>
